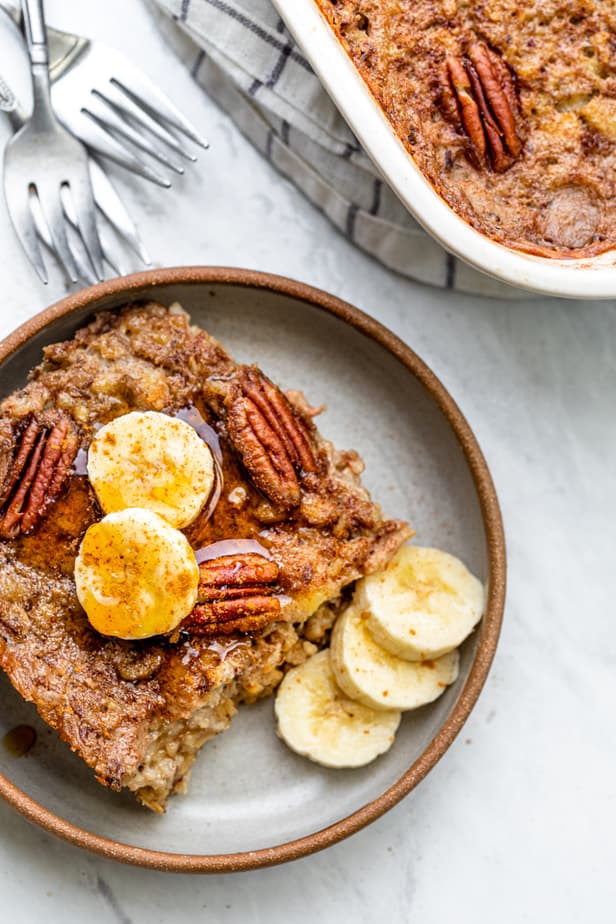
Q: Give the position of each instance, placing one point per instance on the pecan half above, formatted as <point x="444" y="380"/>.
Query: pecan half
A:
<point x="39" y="460"/>
<point x="235" y="595"/>
<point x="479" y="96"/>
<point x="271" y="437"/>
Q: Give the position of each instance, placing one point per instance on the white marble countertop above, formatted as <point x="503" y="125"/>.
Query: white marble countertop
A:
<point x="517" y="820"/>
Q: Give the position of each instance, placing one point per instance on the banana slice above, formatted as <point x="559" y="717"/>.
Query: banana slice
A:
<point x="136" y="576"/>
<point x="376" y="678"/>
<point x="318" y="721"/>
<point x="423" y="604"/>
<point x="153" y="461"/>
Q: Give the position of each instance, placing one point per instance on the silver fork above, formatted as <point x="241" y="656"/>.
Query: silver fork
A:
<point x="107" y="200"/>
<point x="110" y="104"/>
<point x="42" y="159"/>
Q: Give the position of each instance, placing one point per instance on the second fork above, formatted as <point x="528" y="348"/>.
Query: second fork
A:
<point x="43" y="160"/>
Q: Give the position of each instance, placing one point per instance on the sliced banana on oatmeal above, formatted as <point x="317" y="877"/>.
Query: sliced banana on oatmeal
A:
<point x="151" y="460"/>
<point x="136" y="576"/>
<point x="368" y="673"/>
<point x="318" y="721"/>
<point x="423" y="604"/>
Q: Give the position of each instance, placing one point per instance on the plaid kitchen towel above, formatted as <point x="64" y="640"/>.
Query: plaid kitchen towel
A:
<point x="241" y="53"/>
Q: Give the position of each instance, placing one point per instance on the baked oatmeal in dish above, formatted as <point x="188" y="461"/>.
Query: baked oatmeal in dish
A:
<point x="287" y="528"/>
<point x="508" y="108"/>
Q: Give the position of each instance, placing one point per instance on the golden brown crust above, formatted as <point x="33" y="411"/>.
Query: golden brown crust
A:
<point x="117" y="702"/>
<point x="532" y="166"/>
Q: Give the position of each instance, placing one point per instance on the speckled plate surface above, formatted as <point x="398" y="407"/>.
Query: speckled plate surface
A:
<point x="251" y="801"/>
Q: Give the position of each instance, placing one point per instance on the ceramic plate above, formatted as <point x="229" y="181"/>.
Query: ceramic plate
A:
<point x="252" y="802"/>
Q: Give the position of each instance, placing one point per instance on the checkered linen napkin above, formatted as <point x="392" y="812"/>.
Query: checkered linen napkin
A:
<point x="241" y="53"/>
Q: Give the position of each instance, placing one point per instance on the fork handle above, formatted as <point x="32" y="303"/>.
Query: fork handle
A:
<point x="36" y="38"/>
<point x="36" y="33"/>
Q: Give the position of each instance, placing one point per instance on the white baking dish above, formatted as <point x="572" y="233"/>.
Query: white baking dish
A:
<point x="588" y="278"/>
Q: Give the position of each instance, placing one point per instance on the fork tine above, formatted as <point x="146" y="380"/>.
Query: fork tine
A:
<point x="24" y="227"/>
<point x="108" y="255"/>
<point x="111" y="260"/>
<point x="129" y="111"/>
<point x="147" y="95"/>
<point x="83" y="264"/>
<point x="114" y="125"/>
<point x="53" y="212"/>
<point x="96" y="137"/>
<point x="85" y="272"/>
<point x="85" y="211"/>
<point x="39" y="222"/>
<point x="43" y="232"/>
<point x="112" y="208"/>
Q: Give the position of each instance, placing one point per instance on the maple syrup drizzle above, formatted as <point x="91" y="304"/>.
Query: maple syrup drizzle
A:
<point x="215" y="492"/>
<point x="190" y="653"/>
<point x="230" y="547"/>
<point x="191" y="415"/>
<point x="80" y="465"/>
<point x="223" y="651"/>
<point x="19" y="740"/>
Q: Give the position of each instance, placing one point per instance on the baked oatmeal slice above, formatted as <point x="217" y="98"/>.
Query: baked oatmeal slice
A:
<point x="138" y="712"/>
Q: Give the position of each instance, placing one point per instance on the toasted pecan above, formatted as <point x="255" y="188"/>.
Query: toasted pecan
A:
<point x="478" y="93"/>
<point x="39" y="462"/>
<point x="236" y="594"/>
<point x="271" y="437"/>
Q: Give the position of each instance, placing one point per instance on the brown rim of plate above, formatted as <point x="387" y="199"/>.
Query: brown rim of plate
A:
<point x="132" y="286"/>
